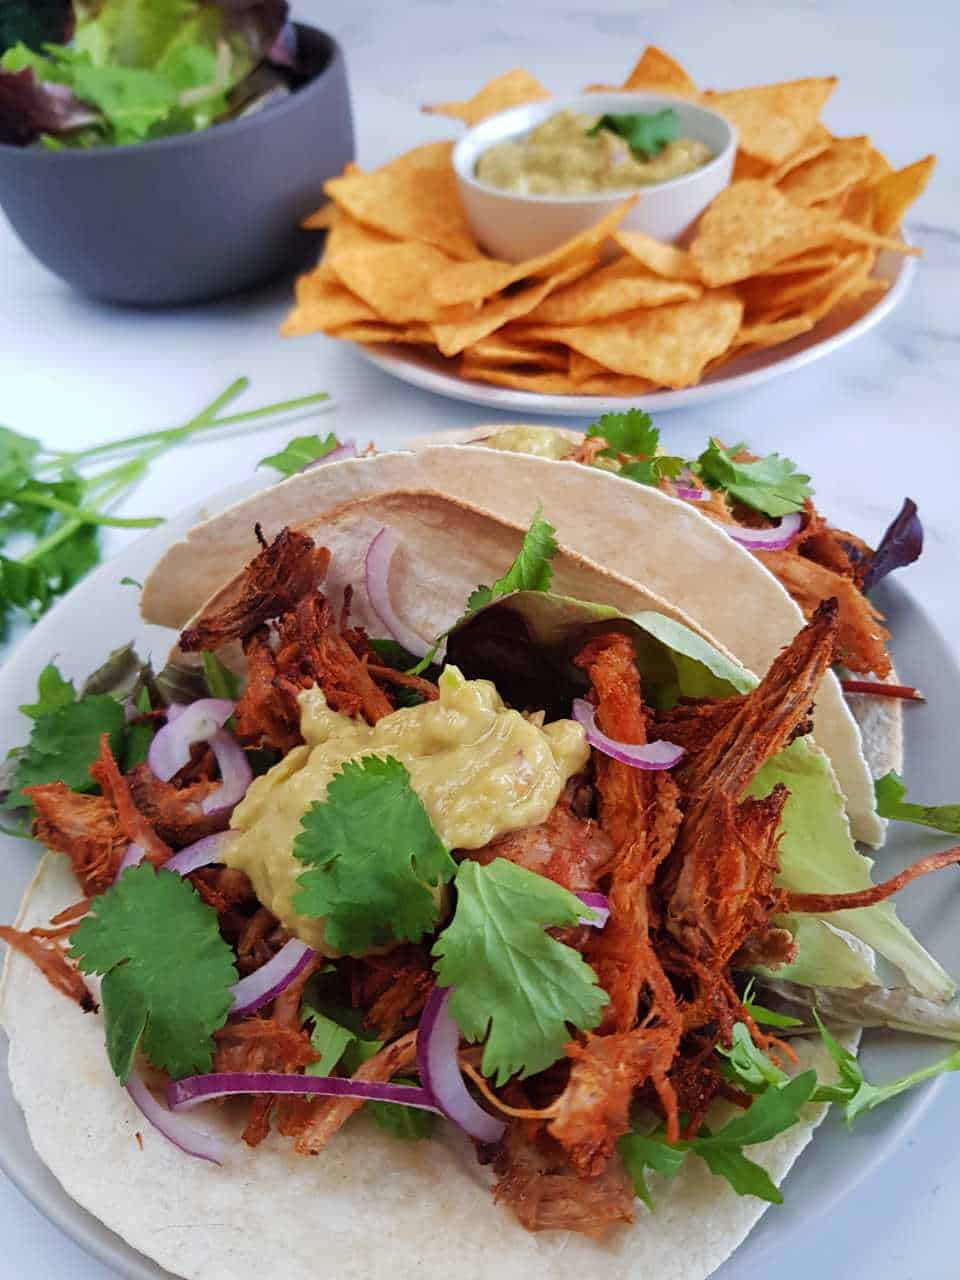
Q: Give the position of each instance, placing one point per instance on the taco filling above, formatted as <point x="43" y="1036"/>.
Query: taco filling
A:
<point x="525" y="886"/>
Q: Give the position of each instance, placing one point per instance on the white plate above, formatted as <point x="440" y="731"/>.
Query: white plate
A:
<point x="100" y="613"/>
<point x="432" y="372"/>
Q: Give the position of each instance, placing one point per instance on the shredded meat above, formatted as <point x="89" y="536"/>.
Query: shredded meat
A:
<point x="393" y="988"/>
<point x="138" y="829"/>
<point x="274" y="582"/>
<point x="388" y="675"/>
<point x="261" y="1044"/>
<point x="175" y="812"/>
<point x="52" y="963"/>
<point x="85" y="828"/>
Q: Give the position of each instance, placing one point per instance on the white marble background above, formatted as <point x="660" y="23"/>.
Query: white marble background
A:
<point x="871" y="423"/>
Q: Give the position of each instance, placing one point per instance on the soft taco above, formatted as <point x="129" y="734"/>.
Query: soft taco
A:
<point x="510" y="901"/>
<point x="682" y="549"/>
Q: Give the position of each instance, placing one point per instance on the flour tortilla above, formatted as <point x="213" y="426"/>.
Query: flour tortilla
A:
<point x="636" y="532"/>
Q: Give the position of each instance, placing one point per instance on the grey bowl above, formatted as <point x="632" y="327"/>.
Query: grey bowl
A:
<point x="191" y="217"/>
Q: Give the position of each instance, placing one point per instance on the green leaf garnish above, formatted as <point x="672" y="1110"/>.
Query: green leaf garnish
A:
<point x="408" y="1124"/>
<point x="53" y="692"/>
<point x="166" y="971"/>
<point x="631" y="435"/>
<point x="531" y="569"/>
<point x="299" y="453"/>
<point x="771" y="485"/>
<point x="372" y="857"/>
<point x="646" y="133"/>
<point x="221" y="681"/>
<point x="513" y="983"/>
<point x="763" y="1016"/>
<point x="139" y="736"/>
<point x="890" y="790"/>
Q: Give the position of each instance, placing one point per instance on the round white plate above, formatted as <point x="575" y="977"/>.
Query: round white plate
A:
<point x="432" y="372"/>
<point x="101" y="613"/>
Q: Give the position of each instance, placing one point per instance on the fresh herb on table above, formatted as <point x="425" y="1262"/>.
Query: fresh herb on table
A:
<point x="646" y="133"/>
<point x="136" y="71"/>
<point x="54" y="502"/>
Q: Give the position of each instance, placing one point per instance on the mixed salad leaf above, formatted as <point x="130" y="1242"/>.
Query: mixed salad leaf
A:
<point x="134" y="70"/>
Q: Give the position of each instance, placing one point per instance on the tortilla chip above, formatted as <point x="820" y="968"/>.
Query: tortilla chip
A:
<point x="771" y="296"/>
<point x="498" y="349"/>
<point x="815" y="143"/>
<point x="554" y="383"/>
<point x="655" y="71"/>
<point x="512" y="89"/>
<point x="754" y="337"/>
<point x="323" y="305"/>
<point x="414" y="197"/>
<point x="750" y="227"/>
<point x="393" y="278"/>
<point x="772" y="120"/>
<point x="880" y="166"/>
<point x="846" y="230"/>
<point x="836" y="169"/>
<point x="347" y="235"/>
<point x="415" y="334"/>
<point x="620" y="286"/>
<point x="473" y="281"/>
<point x="663" y="259"/>
<point x="455" y="336"/>
<point x="896" y="191"/>
<point x="811" y="261"/>
<point x="323" y="218"/>
<point x="581" y="368"/>
<point x="745" y="167"/>
<point x="670" y="345"/>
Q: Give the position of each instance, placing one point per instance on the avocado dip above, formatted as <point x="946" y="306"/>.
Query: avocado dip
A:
<point x="479" y="768"/>
<point x="562" y="156"/>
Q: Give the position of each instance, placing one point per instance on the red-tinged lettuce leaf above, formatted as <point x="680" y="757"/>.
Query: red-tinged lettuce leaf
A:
<point x="900" y="545"/>
<point x="35" y="23"/>
<point x="29" y="108"/>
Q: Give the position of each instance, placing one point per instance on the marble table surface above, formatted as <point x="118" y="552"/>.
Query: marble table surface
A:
<point x="872" y="423"/>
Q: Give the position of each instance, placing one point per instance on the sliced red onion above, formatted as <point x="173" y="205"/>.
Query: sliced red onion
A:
<point x="202" y="853"/>
<point x="599" y="904"/>
<point x="348" y="449"/>
<point x="694" y="495"/>
<point x="651" y="755"/>
<point x="438" y="1045"/>
<point x="234" y="770"/>
<point x="777" y="538"/>
<point x="380" y="555"/>
<point x="253" y="992"/>
<point x="170" y="748"/>
<point x="134" y="855"/>
<point x="183" y="1134"/>
<point x="187" y="1093"/>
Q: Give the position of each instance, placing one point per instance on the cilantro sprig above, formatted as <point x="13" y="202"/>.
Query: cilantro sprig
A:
<point x="771" y="484"/>
<point x="166" y="971"/>
<point x="372" y="858"/>
<point x="646" y="133"/>
<point x="299" y="453"/>
<point x="53" y="503"/>
<point x="514" y="985"/>
<point x="530" y="570"/>
<point x="632" y="441"/>
<point x="890" y="791"/>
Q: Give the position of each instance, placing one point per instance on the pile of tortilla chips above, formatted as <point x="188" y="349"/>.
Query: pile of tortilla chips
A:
<point x="615" y="312"/>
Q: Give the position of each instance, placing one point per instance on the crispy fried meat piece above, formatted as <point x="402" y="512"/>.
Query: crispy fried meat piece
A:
<point x="223" y="888"/>
<point x="862" y="637"/>
<point x="329" y="1117"/>
<point x="175" y="812"/>
<point x="537" y="1182"/>
<point x="52" y="963"/>
<point x="85" y="828"/>
<point x="393" y="988"/>
<point x="274" y="582"/>
<point x="718" y="885"/>
<point x="138" y="829"/>
<point x="309" y="651"/>
<point x="388" y="675"/>
<point x="572" y="851"/>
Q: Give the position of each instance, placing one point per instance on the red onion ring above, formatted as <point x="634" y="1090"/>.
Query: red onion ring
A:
<point x="438" y="1044"/>
<point x="134" y="855"/>
<point x="651" y="755"/>
<point x="235" y="772"/>
<point x="599" y="904"/>
<point x="187" y="1093"/>
<point x="346" y="449"/>
<point x="380" y="555"/>
<point x="262" y="986"/>
<point x="693" y="495"/>
<point x="191" y="1140"/>
<point x="202" y="853"/>
<point x="777" y="538"/>
<point x="170" y="748"/>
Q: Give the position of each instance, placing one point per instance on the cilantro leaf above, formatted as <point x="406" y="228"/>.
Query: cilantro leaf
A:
<point x="530" y="571"/>
<point x="652" y="470"/>
<point x="53" y="692"/>
<point x="65" y="742"/>
<point x="408" y="1124"/>
<point x="139" y="736"/>
<point x="890" y="790"/>
<point x="632" y="433"/>
<point x="641" y="1153"/>
<point x="513" y="983"/>
<point x="299" y="453"/>
<point x="771" y="485"/>
<point x="647" y="133"/>
<point x="166" y="971"/>
<point x="372" y="856"/>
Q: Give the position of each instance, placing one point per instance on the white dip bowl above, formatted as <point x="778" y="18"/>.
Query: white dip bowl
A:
<point x="514" y="227"/>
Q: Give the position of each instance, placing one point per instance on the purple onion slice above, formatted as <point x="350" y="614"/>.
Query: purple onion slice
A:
<point x="191" y="1140"/>
<point x="776" y="538"/>
<point x="650" y="755"/>
<point x="438" y="1045"/>
<point x="182" y="1094"/>
<point x="380" y="555"/>
<point x="170" y="748"/>
<point x="266" y="983"/>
